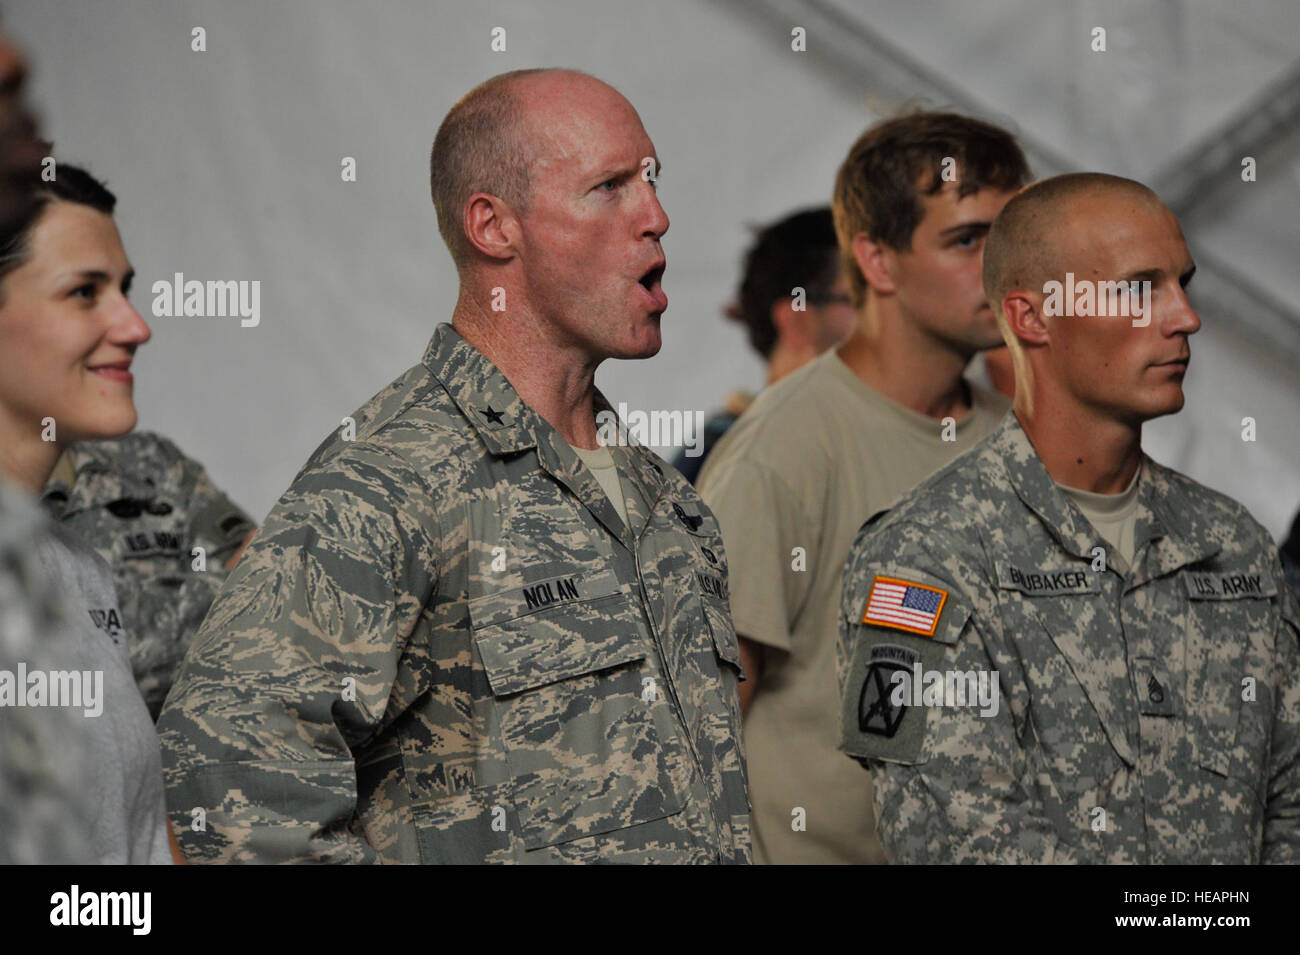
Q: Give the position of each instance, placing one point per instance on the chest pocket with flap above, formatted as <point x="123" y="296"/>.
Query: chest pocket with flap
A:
<point x="1231" y="623"/>
<point x="566" y="660"/>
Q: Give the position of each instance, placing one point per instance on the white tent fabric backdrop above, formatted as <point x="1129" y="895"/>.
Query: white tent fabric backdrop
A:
<point x="227" y="166"/>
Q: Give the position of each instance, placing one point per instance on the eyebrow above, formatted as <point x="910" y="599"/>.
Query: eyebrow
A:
<point x="978" y="225"/>
<point x="1154" y="275"/>
<point x="609" y="172"/>
<point x="90" y="275"/>
<point x="97" y="275"/>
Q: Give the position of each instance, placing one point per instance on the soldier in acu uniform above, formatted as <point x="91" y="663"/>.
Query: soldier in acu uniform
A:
<point x="1138" y="624"/>
<point x="469" y="633"/>
<point x="144" y="506"/>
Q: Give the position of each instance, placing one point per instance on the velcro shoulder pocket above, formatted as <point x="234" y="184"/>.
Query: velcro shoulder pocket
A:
<point x="902" y="624"/>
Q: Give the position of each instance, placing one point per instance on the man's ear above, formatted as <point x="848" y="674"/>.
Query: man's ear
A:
<point x="876" y="261"/>
<point x="1024" y="314"/>
<point x="491" y="226"/>
<point x="791" y="326"/>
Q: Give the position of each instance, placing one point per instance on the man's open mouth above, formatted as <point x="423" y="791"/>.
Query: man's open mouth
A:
<point x="652" y="278"/>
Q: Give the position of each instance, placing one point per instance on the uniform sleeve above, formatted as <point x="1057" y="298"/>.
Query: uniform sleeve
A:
<point x="762" y="521"/>
<point x="1282" y="815"/>
<point x="295" y="667"/>
<point x="952" y="783"/>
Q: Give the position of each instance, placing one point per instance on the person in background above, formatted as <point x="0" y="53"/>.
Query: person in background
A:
<point x="145" y="507"/>
<point x="794" y="303"/>
<point x="843" y="437"/>
<point x="1290" y="551"/>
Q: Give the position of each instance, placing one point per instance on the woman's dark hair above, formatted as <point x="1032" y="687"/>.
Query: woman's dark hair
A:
<point x="70" y="184"/>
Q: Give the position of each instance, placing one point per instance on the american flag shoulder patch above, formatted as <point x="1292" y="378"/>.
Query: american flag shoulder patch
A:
<point x="904" y="605"/>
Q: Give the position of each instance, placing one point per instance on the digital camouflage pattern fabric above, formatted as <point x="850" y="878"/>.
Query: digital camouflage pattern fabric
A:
<point x="445" y="646"/>
<point x="144" y="506"/>
<point x="45" y="812"/>
<point x="1148" y="715"/>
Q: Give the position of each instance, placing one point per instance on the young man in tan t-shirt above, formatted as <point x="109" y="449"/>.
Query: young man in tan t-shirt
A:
<point x="822" y="450"/>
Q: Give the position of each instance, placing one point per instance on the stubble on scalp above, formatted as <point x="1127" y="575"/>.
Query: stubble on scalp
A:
<point x="1024" y="248"/>
<point x="485" y="144"/>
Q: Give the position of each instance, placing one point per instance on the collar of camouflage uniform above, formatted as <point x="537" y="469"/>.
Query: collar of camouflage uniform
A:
<point x="85" y="475"/>
<point x="507" y="425"/>
<point x="1182" y="541"/>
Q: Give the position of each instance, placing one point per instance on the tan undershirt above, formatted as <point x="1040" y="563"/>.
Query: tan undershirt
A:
<point x="600" y="462"/>
<point x="65" y="470"/>
<point x="1113" y="516"/>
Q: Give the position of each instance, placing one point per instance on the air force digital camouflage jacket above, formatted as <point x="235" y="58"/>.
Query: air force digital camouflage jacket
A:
<point x="445" y="646"/>
<point x="1147" y="717"/>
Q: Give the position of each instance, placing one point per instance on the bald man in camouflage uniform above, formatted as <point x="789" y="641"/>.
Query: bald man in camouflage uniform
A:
<point x="1144" y="642"/>
<point x="45" y="810"/>
<point x="144" y="507"/>
<point x="455" y="639"/>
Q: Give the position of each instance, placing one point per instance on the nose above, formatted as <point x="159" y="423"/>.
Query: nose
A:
<point x="657" y="223"/>
<point x="1183" y="320"/>
<point x="129" y="326"/>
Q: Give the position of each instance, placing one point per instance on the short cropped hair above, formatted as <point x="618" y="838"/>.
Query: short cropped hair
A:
<point x="479" y="148"/>
<point x="70" y="184"/>
<point x="1018" y="251"/>
<point x="879" y="185"/>
<point x="797" y="251"/>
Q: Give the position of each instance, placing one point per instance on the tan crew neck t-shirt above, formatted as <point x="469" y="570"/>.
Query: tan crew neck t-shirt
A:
<point x="791" y="483"/>
<point x="600" y="462"/>
<point x="1113" y="516"/>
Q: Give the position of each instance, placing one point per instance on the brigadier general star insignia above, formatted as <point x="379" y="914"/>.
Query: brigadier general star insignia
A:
<point x="493" y="416"/>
